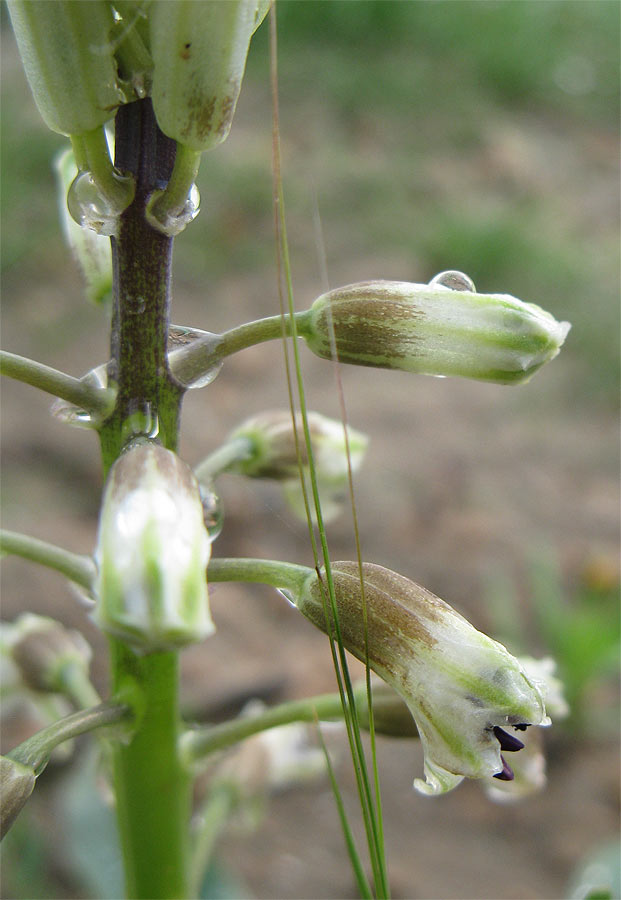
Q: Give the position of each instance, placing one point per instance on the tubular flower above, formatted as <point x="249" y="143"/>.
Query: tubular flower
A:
<point x="152" y="552"/>
<point x="463" y="688"/>
<point x="441" y="328"/>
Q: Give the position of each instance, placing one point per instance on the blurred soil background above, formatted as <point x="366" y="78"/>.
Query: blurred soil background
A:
<point x="416" y="137"/>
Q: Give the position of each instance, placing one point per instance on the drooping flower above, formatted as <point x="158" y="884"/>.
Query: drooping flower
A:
<point x="466" y="692"/>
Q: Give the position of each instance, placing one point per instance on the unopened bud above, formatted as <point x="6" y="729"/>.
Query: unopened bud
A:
<point x="199" y="50"/>
<point x="434" y="329"/>
<point x="273" y="442"/>
<point x="462" y="688"/>
<point x="152" y="552"/>
<point x="69" y="61"/>
<point x="42" y="648"/>
<point x="17" y="783"/>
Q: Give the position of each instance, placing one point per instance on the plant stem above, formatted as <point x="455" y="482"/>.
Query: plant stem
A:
<point x="202" y="354"/>
<point x="152" y="787"/>
<point x="75" y="684"/>
<point x="173" y="199"/>
<point x="287" y="576"/>
<point x="74" y="390"/>
<point x="35" y="751"/>
<point x="199" y="744"/>
<point x="80" y="569"/>
<point x="232" y="451"/>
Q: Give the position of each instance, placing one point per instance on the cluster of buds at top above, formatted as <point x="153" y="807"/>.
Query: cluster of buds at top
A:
<point x="463" y="689"/>
<point x="152" y="552"/>
<point x="440" y="328"/>
<point x="85" y="58"/>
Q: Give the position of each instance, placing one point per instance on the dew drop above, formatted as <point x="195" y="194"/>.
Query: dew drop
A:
<point x="190" y="355"/>
<point x="73" y="415"/>
<point x="288" y="597"/>
<point x="456" y="281"/>
<point x="170" y="223"/>
<point x="90" y="208"/>
<point x="213" y="511"/>
<point x="142" y="422"/>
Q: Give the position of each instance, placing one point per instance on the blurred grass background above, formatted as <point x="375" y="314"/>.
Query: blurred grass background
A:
<point x="416" y="136"/>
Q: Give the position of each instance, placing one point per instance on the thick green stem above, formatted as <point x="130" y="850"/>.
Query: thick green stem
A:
<point x="36" y="750"/>
<point x="152" y="788"/>
<point x="80" y="569"/>
<point x="74" y="390"/>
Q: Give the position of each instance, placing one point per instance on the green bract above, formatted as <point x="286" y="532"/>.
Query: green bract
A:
<point x="433" y="330"/>
<point x="462" y="687"/>
<point x="152" y="552"/>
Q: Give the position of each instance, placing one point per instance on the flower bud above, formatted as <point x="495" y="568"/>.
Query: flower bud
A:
<point x="17" y="783"/>
<point x="272" y="447"/>
<point x="271" y="452"/>
<point x="152" y="552"/>
<point x="41" y="648"/>
<point x="199" y="50"/>
<point x="69" y="61"/>
<point x="462" y="688"/>
<point x="434" y="330"/>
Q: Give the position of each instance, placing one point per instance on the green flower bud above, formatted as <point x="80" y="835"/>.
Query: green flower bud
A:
<point x="69" y="61"/>
<point x="41" y="648"/>
<point x="434" y="330"/>
<point x="272" y="447"/>
<point x="152" y="552"/>
<point x="271" y="453"/>
<point x="16" y="785"/>
<point x="199" y="50"/>
<point x="462" y="688"/>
